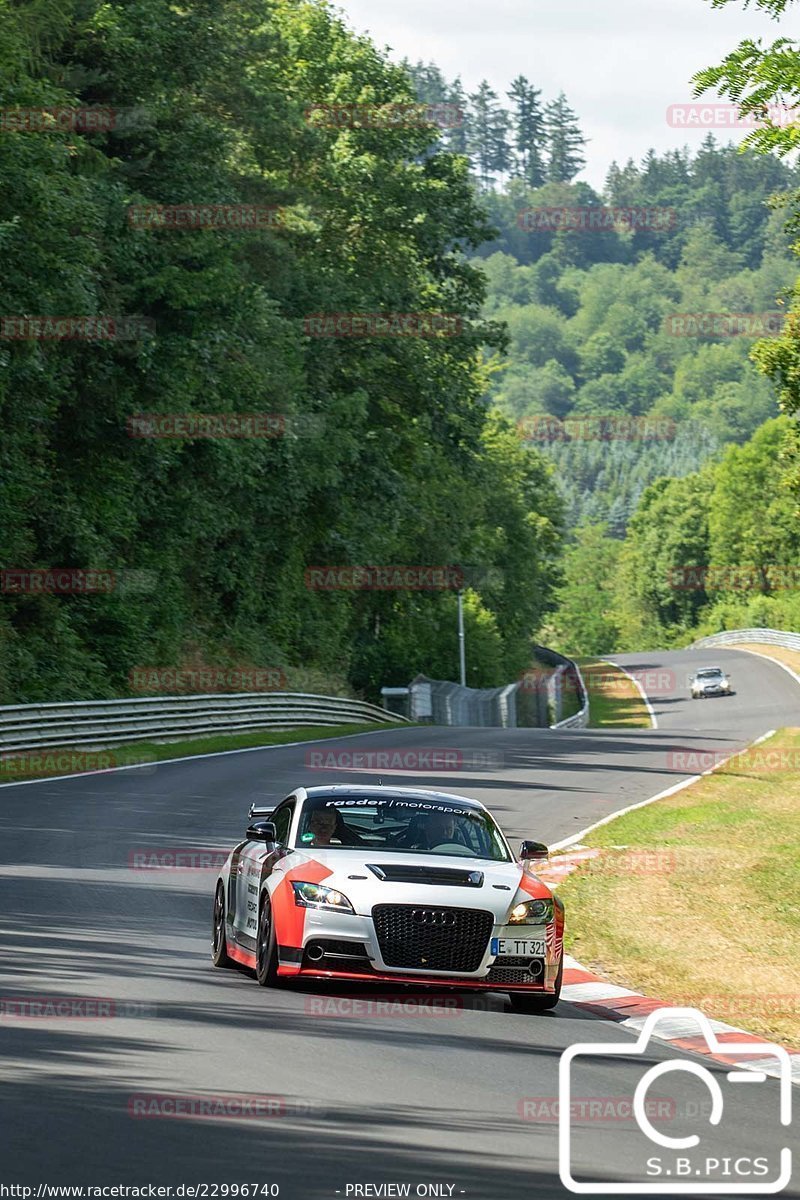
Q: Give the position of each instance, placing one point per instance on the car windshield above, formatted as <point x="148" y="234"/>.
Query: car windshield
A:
<point x="710" y="673"/>
<point x="407" y="824"/>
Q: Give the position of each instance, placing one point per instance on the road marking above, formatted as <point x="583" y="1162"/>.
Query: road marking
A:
<point x="670" y="791"/>
<point x="640" y="690"/>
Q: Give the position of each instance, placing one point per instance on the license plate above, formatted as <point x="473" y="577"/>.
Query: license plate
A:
<point x="518" y="947"/>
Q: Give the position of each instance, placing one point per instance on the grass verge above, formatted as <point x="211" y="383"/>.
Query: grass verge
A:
<point x="39" y="764"/>
<point x="614" y="701"/>
<point x="697" y="900"/>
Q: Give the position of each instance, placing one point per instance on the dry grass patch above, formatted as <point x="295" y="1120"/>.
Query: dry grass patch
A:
<point x="614" y="700"/>
<point x="700" y="901"/>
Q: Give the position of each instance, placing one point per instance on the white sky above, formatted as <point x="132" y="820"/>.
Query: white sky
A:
<point x="621" y="63"/>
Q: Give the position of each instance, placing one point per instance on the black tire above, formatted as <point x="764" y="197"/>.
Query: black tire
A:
<point x="219" y="941"/>
<point x="266" y="946"/>
<point x="536" y="1002"/>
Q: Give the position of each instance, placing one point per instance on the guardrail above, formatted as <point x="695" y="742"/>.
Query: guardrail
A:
<point x="580" y="719"/>
<point x="95" y="724"/>
<point x="770" y="637"/>
<point x="555" y="689"/>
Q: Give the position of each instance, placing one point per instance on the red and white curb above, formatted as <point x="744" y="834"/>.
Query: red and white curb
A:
<point x="629" y="1009"/>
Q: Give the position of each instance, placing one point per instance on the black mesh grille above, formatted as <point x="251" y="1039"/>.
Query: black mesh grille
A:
<point x="513" y="970"/>
<point x="432" y="939"/>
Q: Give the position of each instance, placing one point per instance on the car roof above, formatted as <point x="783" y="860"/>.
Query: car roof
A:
<point x="705" y="670"/>
<point x="379" y="792"/>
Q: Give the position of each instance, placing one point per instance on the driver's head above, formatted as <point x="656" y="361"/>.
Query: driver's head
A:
<point x="322" y="823"/>
<point x="441" y="827"/>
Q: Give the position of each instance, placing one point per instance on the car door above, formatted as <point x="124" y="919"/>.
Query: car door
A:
<point x="254" y="862"/>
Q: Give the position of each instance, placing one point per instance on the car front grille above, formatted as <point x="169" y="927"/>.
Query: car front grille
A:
<point x="415" y="936"/>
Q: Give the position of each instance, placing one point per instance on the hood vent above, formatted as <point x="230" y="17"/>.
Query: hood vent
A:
<point x="440" y="876"/>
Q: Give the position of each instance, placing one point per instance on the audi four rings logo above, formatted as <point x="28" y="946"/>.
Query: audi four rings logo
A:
<point x="433" y="916"/>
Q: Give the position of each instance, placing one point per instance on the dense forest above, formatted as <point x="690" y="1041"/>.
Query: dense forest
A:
<point x="663" y="430"/>
<point x="398" y="461"/>
<point x="716" y="549"/>
<point x="592" y="288"/>
<point x="457" y="356"/>
<point x="597" y="321"/>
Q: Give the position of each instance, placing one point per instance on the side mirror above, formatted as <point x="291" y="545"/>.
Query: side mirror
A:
<point x="534" y="852"/>
<point x="261" y="831"/>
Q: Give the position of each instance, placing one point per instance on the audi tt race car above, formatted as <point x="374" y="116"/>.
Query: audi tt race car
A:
<point x="710" y="681"/>
<point x="381" y="884"/>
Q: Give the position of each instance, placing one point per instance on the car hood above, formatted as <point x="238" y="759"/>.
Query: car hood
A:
<point x="438" y="879"/>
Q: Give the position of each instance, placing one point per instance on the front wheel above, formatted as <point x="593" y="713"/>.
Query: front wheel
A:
<point x="266" y="946"/>
<point x="219" y="943"/>
<point x="536" y="1002"/>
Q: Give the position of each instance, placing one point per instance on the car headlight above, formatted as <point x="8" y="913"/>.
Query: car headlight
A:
<point x="531" y="912"/>
<point x="314" y="895"/>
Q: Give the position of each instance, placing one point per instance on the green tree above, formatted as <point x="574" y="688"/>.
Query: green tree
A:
<point x="764" y="83"/>
<point x="391" y="462"/>
<point x="565" y="141"/>
<point x="661" y="581"/>
<point x="530" y="135"/>
<point x="584" y="621"/>
<point x="488" y="134"/>
<point x="752" y="518"/>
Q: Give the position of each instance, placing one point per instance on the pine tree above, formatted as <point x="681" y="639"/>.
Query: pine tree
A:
<point x="458" y="134"/>
<point x="487" y="142"/>
<point x="429" y="83"/>
<point x="566" y="142"/>
<point x="530" y="135"/>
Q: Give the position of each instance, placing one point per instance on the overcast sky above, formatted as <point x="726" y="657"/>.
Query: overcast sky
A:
<point x="621" y="63"/>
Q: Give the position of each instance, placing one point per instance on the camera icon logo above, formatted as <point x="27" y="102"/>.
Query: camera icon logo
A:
<point x="678" y="1165"/>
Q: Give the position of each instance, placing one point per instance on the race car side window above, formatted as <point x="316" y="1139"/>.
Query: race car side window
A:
<point x="282" y="819"/>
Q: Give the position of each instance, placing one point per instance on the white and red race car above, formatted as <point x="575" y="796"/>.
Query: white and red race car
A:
<point x="381" y="884"/>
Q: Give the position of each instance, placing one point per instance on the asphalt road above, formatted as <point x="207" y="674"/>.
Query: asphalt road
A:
<point x="434" y="1102"/>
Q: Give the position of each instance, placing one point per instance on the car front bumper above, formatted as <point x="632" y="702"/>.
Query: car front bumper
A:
<point x="358" y="931"/>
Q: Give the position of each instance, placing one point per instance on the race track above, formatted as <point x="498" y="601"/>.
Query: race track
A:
<point x="378" y="1099"/>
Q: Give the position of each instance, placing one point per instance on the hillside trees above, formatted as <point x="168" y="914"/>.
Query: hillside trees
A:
<point x="391" y="465"/>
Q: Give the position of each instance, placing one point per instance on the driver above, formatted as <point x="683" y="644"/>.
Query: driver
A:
<point x="439" y="828"/>
<point x="329" y="829"/>
<point x="435" y="829"/>
<point x="323" y="823"/>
